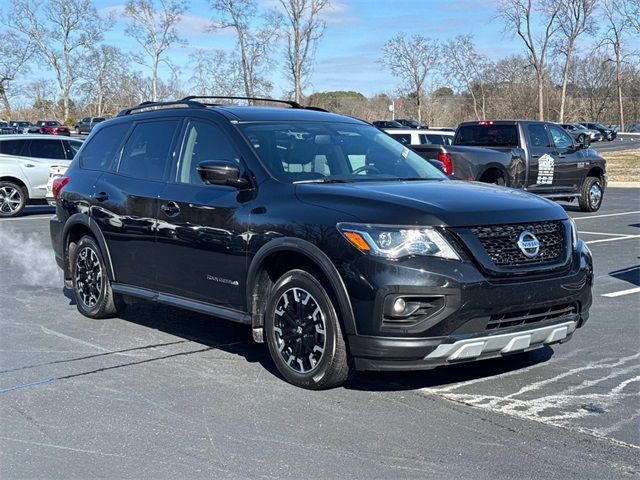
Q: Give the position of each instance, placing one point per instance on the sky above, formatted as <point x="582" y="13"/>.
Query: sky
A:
<point x="348" y="56"/>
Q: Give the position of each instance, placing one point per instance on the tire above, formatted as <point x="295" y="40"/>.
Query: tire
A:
<point x="591" y="194"/>
<point x="13" y="199"/>
<point x="582" y="139"/>
<point x="91" y="285"/>
<point x="304" y="335"/>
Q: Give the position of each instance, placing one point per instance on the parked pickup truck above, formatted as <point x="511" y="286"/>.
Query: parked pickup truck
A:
<point x="539" y="157"/>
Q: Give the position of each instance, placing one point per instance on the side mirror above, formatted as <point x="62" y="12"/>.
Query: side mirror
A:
<point x="221" y="172"/>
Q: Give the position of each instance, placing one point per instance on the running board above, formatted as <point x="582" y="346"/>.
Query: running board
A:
<point x="181" y="302"/>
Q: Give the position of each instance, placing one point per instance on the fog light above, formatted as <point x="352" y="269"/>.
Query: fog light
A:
<point x="399" y="305"/>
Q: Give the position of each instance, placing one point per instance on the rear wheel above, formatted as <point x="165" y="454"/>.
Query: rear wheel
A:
<point x="91" y="285"/>
<point x="303" y="333"/>
<point x="591" y="195"/>
<point x="13" y="199"/>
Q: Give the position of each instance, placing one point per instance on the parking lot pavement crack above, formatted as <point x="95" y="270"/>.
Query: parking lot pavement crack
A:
<point x="114" y="367"/>
<point x="62" y="447"/>
<point x="96" y="355"/>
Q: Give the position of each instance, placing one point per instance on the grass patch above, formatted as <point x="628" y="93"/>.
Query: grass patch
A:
<point x="623" y="166"/>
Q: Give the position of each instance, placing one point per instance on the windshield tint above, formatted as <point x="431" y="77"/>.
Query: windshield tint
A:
<point x="324" y="152"/>
<point x="487" y="135"/>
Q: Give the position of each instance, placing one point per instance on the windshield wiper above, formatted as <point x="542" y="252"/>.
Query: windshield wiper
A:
<point x="322" y="180"/>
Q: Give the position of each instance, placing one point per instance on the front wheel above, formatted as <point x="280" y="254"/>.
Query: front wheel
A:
<point x="591" y="195"/>
<point x="91" y="285"/>
<point x="303" y="333"/>
<point x="13" y="199"/>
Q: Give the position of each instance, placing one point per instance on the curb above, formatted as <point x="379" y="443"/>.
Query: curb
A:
<point x="623" y="184"/>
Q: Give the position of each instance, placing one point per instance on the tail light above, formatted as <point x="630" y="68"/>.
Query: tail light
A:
<point x="447" y="161"/>
<point x="58" y="183"/>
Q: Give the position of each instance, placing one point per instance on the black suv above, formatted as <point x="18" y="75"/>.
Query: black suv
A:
<point x="607" y="133"/>
<point x="341" y="248"/>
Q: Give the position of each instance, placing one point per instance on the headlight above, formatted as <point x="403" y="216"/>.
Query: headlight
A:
<point x="574" y="234"/>
<point x="397" y="242"/>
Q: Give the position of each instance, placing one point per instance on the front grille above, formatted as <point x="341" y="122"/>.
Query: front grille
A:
<point x="533" y="315"/>
<point x="501" y="243"/>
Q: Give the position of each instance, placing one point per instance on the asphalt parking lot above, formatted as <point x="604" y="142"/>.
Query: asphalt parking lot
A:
<point x="164" y="393"/>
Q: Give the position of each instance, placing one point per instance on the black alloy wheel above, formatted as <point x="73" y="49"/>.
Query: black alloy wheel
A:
<point x="91" y="285"/>
<point x="304" y="334"/>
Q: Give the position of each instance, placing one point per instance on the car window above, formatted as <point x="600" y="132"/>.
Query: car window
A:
<point x="404" y="138"/>
<point x="561" y="139"/>
<point x="433" y="139"/>
<point x="11" y="147"/>
<point x="487" y="134"/>
<point x="85" y="119"/>
<point x="71" y="147"/>
<point x="102" y="148"/>
<point x="203" y="141"/>
<point x="325" y="151"/>
<point x="41" y="148"/>
<point x="146" y="152"/>
<point x="538" y="135"/>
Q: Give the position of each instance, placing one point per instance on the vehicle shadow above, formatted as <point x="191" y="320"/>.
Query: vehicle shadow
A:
<point x="38" y="210"/>
<point x="236" y="339"/>
<point x="629" y="274"/>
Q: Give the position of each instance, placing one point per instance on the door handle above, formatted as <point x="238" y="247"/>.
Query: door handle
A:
<point x="101" y="197"/>
<point x="170" y="209"/>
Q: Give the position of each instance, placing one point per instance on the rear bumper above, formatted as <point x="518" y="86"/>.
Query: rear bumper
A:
<point x="56" y="228"/>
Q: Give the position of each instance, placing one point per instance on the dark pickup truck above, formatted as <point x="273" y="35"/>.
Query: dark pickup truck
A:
<point x="539" y="157"/>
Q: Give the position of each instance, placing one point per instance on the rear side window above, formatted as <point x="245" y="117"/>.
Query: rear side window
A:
<point x="404" y="138"/>
<point x="12" y="147"/>
<point x="47" y="149"/>
<point x="71" y="148"/>
<point x="538" y="135"/>
<point x="147" y="150"/>
<point x="102" y="148"/>
<point x="433" y="139"/>
<point x="487" y="135"/>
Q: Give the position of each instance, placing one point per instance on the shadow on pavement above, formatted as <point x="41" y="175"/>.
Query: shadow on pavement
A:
<point x="630" y="274"/>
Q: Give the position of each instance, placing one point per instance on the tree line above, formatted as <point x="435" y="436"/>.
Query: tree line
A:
<point x="579" y="61"/>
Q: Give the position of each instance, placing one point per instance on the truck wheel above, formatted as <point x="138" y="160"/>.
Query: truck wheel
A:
<point x="13" y="199"/>
<point x="91" y="285"/>
<point x="591" y="195"/>
<point x="582" y="139"/>
<point x="303" y="333"/>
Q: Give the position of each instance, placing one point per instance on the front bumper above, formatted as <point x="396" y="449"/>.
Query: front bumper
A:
<point x="464" y="328"/>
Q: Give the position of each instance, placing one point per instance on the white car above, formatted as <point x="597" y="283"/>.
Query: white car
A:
<point x="25" y="161"/>
<point x="411" y="136"/>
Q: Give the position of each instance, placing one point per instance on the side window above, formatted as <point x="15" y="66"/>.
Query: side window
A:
<point x="12" y="147"/>
<point x="146" y="152"/>
<point x="71" y="148"/>
<point x="431" y="139"/>
<point x="538" y="135"/>
<point x="85" y="120"/>
<point x="403" y="138"/>
<point x="47" y="149"/>
<point x="561" y="139"/>
<point x="203" y="141"/>
<point x="100" y="151"/>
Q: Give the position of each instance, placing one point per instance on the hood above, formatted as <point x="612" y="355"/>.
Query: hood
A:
<point x="451" y="203"/>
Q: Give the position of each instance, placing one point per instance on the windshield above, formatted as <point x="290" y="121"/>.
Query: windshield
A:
<point x="580" y="127"/>
<point x="24" y="124"/>
<point x="53" y="123"/>
<point x="487" y="135"/>
<point x="334" y="152"/>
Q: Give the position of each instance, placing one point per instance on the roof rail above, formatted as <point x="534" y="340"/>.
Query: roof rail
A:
<point x="291" y="103"/>
<point x="145" y="105"/>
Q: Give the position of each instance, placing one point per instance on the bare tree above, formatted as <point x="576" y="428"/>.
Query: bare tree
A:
<point x="303" y="31"/>
<point x="153" y="27"/>
<point x="255" y="45"/>
<point x="106" y="66"/>
<point x="15" y="53"/>
<point x="521" y="17"/>
<point x="616" y="29"/>
<point x="215" y="73"/>
<point x="411" y="60"/>
<point x="574" y="19"/>
<point x="63" y="33"/>
<point x="468" y="69"/>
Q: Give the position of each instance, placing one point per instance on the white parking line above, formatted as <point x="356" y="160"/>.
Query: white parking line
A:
<point x="628" y="237"/>
<point x="31" y="217"/>
<point x="606" y="215"/>
<point x="622" y="292"/>
<point x="606" y="234"/>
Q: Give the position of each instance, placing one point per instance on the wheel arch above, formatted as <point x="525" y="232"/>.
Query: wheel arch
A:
<point x="78" y="225"/>
<point x="295" y="253"/>
<point x="596" y="171"/>
<point x="492" y="171"/>
<point x="18" y="181"/>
